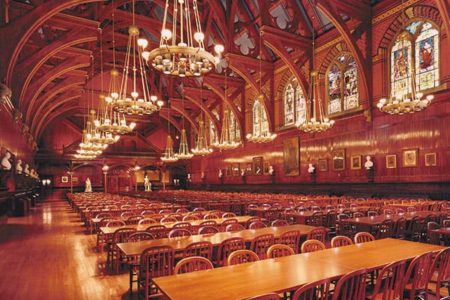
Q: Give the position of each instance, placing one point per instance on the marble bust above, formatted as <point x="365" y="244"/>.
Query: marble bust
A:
<point x="6" y="164"/>
<point x="19" y="168"/>
<point x="27" y="169"/>
<point x="311" y="169"/>
<point x="271" y="170"/>
<point x="369" y="163"/>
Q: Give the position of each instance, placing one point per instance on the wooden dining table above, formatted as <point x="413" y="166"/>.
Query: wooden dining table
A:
<point x="287" y="273"/>
<point x="133" y="249"/>
<point x="302" y="217"/>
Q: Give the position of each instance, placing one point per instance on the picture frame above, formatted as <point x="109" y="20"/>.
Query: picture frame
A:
<point x="291" y="157"/>
<point x="249" y="169"/>
<point x="228" y="170"/>
<point x="323" y="164"/>
<point x="266" y="167"/>
<point x="391" y="161"/>
<point x="64" y="179"/>
<point x="410" y="158"/>
<point x="430" y="159"/>
<point x="339" y="160"/>
<point x="258" y="168"/>
<point x="235" y="169"/>
<point x="355" y="162"/>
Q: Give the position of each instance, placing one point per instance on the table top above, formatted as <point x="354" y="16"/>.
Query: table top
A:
<point x="287" y="273"/>
<point x="202" y="213"/>
<point x="309" y="213"/>
<point x="169" y="225"/>
<point x="136" y="248"/>
<point x="377" y="220"/>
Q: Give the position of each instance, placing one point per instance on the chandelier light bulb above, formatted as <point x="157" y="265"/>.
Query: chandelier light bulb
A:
<point x="199" y="36"/>
<point x="219" y="48"/>
<point x="166" y="34"/>
<point x="142" y="43"/>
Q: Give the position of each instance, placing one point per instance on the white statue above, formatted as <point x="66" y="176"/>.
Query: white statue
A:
<point x="27" y="169"/>
<point x="88" y="188"/>
<point x="242" y="172"/>
<point x="369" y="163"/>
<point x="19" y="168"/>
<point x="147" y="184"/>
<point x="220" y="173"/>
<point x="271" y="170"/>
<point x="6" y="164"/>
<point x="311" y="169"/>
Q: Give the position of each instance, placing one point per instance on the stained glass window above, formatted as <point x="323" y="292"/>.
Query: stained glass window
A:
<point x="294" y="104"/>
<point x="212" y="133"/>
<point x="235" y="132"/>
<point x="342" y="85"/>
<point x="415" y="49"/>
<point x="260" y="122"/>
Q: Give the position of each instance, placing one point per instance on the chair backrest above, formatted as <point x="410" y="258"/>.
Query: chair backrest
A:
<point x="121" y="234"/>
<point x="388" y="211"/>
<point x="211" y="216"/>
<point x="168" y="220"/>
<point x="400" y="228"/>
<point x="241" y="256"/>
<point x="390" y="281"/>
<point x="330" y="219"/>
<point x="257" y="225"/>
<point x="190" y="218"/>
<point x="316" y="219"/>
<point x="199" y="209"/>
<point x="441" y="267"/>
<point x="234" y="227"/>
<point x="342" y="216"/>
<point x="228" y="246"/>
<point x="177" y="216"/>
<point x="251" y="220"/>
<point x="279" y="250"/>
<point x="114" y="223"/>
<point x="103" y="215"/>
<point x="433" y="237"/>
<point x="417" y="275"/>
<point x="351" y="286"/>
<point x="158" y="231"/>
<point x="312" y="246"/>
<point x="341" y="240"/>
<point x="228" y="215"/>
<point x="261" y="243"/>
<point x="208" y="223"/>
<point x="183" y="225"/>
<point x="126" y="214"/>
<point x="318" y="290"/>
<point x="318" y="234"/>
<point x="203" y="249"/>
<point x="182" y="210"/>
<point x="227" y="222"/>
<point x="134" y="220"/>
<point x="156" y="262"/>
<point x="208" y="230"/>
<point x="358" y="214"/>
<point x="147" y="221"/>
<point x="140" y="236"/>
<point x="279" y="223"/>
<point x="271" y="296"/>
<point x="179" y="233"/>
<point x="291" y="238"/>
<point x="192" y="264"/>
<point x="372" y="213"/>
<point x="446" y="223"/>
<point x="165" y="211"/>
<point x="363" y="237"/>
<point x="386" y="229"/>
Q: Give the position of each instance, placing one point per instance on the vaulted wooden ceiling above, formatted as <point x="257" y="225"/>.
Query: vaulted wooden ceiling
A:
<point x="46" y="56"/>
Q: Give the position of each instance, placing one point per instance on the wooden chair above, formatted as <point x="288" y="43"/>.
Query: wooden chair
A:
<point x="208" y="230"/>
<point x="234" y="227"/>
<point x="241" y="256"/>
<point x="318" y="290"/>
<point x="115" y="223"/>
<point x="147" y="221"/>
<point x="208" y="223"/>
<point x="291" y="239"/>
<point x="127" y="214"/>
<point x="182" y="211"/>
<point x="388" y="211"/>
<point x="261" y="243"/>
<point x="227" y="222"/>
<point x="271" y="296"/>
<point x="400" y="228"/>
<point x="340" y="241"/>
<point x="192" y="264"/>
<point x="190" y="218"/>
<point x="113" y="258"/>
<point x="372" y="213"/>
<point x="312" y="246"/>
<point x="415" y="228"/>
<point x="227" y="247"/>
<point x="330" y="220"/>
<point x="154" y="262"/>
<point x="433" y="237"/>
<point x="257" y="225"/>
<point x="351" y="286"/>
<point x="440" y="273"/>
<point x="385" y="230"/>
<point x="169" y="220"/>
<point x="165" y="211"/>
<point x="389" y="284"/>
<point x="363" y="237"/>
<point x="179" y="233"/>
<point x="228" y="215"/>
<point x="211" y="216"/>
<point x="158" y="231"/>
<point x="183" y="225"/>
<point x="358" y="214"/>
<point x="251" y="220"/>
<point x="140" y="236"/>
<point x="203" y="249"/>
<point x="279" y="223"/>
<point x="179" y="217"/>
<point x="134" y="220"/>
<point x="317" y="219"/>
<point x="318" y="234"/>
<point x="134" y="263"/>
<point x="198" y="209"/>
<point x="279" y="250"/>
<point x="417" y="276"/>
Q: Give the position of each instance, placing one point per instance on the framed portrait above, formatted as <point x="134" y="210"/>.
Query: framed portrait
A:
<point x="323" y="164"/>
<point x="257" y="165"/>
<point x="391" y="161"/>
<point x="236" y="170"/>
<point x="355" y="162"/>
<point x="291" y="157"/>
<point x="249" y="169"/>
<point x="430" y="159"/>
<point x="266" y="167"/>
<point x="64" y="179"/>
<point x="339" y="160"/>
<point x="410" y="158"/>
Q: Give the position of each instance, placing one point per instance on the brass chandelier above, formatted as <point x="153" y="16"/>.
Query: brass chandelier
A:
<point x="315" y="121"/>
<point x="169" y="154"/>
<point x="201" y="145"/>
<point x="182" y="52"/>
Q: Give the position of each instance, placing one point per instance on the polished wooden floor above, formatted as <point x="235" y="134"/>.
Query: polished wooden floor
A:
<point x="48" y="255"/>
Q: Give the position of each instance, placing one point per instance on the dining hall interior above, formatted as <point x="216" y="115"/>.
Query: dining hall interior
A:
<point x="225" y="149"/>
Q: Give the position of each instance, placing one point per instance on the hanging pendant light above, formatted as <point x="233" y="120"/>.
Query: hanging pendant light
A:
<point x="183" y="152"/>
<point x="261" y="135"/>
<point x="315" y="121"/>
<point x="201" y="145"/>
<point x="181" y="52"/>
<point x="169" y="154"/>
<point x="412" y="101"/>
